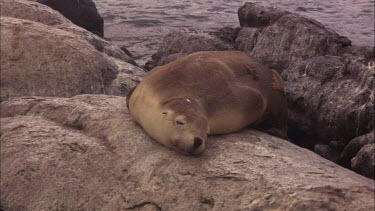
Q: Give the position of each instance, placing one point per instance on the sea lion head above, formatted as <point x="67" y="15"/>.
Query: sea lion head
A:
<point x="185" y="125"/>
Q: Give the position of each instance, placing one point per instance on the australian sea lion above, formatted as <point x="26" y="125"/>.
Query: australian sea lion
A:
<point x="206" y="93"/>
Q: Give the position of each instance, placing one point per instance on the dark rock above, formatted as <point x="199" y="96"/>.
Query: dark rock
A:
<point x="327" y="152"/>
<point x="83" y="13"/>
<point x="126" y="51"/>
<point x="329" y="97"/>
<point x="364" y="162"/>
<point x="246" y="39"/>
<point x="353" y="147"/>
<point x="256" y="15"/>
<point x="86" y="153"/>
<point x="180" y="43"/>
<point x="227" y="34"/>
<point x="294" y="38"/>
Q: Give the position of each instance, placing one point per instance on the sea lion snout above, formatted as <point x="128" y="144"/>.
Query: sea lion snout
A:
<point x="197" y="147"/>
<point x="197" y="142"/>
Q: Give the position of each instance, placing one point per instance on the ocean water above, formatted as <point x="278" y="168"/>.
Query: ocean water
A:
<point x="140" y="25"/>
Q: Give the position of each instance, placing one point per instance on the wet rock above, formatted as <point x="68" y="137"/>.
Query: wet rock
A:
<point x="85" y="153"/>
<point x="353" y="147"/>
<point x="180" y="43"/>
<point x="256" y="15"/>
<point x="83" y="13"/>
<point x="57" y="59"/>
<point x="364" y="161"/>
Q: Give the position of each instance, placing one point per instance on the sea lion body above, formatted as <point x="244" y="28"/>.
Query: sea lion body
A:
<point x="213" y="92"/>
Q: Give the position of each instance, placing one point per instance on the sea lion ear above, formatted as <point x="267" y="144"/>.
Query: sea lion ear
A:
<point x="164" y="113"/>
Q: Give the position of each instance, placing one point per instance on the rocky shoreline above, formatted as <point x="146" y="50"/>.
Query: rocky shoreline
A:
<point x="68" y="142"/>
<point x="329" y="82"/>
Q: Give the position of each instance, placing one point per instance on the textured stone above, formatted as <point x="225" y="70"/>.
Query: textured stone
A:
<point x="30" y="10"/>
<point x="330" y="97"/>
<point x="353" y="147"/>
<point x="256" y="15"/>
<point x="364" y="161"/>
<point x="45" y="54"/>
<point x="85" y="153"/>
<point x="181" y="43"/>
<point x="286" y="38"/>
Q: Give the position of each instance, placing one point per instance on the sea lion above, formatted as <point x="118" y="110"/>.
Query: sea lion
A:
<point x="206" y="93"/>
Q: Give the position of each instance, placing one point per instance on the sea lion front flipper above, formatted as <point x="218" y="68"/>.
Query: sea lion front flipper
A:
<point x="277" y="83"/>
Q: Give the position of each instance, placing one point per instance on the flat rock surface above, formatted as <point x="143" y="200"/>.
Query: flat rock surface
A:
<point x="85" y="152"/>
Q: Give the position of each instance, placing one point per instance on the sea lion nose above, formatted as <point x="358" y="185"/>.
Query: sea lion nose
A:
<point x="197" y="142"/>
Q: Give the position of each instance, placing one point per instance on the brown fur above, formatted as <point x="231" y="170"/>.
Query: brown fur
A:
<point x="233" y="89"/>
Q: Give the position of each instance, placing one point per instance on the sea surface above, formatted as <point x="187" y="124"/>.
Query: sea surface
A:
<point x="140" y="25"/>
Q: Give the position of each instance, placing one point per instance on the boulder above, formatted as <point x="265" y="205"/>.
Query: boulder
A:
<point x="83" y="13"/>
<point x="85" y="153"/>
<point x="285" y="38"/>
<point x="53" y="57"/>
<point x="277" y="38"/>
<point x="359" y="154"/>
<point x="183" y="42"/>
<point x="246" y="39"/>
<point x="364" y="161"/>
<point x="353" y="147"/>
<point x="256" y="15"/>
<point x="327" y="152"/>
<point x="330" y="97"/>
<point x="29" y="10"/>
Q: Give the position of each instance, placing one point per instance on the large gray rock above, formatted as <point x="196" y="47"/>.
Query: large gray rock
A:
<point x="44" y="54"/>
<point x="332" y="98"/>
<point x="29" y="10"/>
<point x="283" y="38"/>
<point x="85" y="153"/>
<point x="181" y="43"/>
